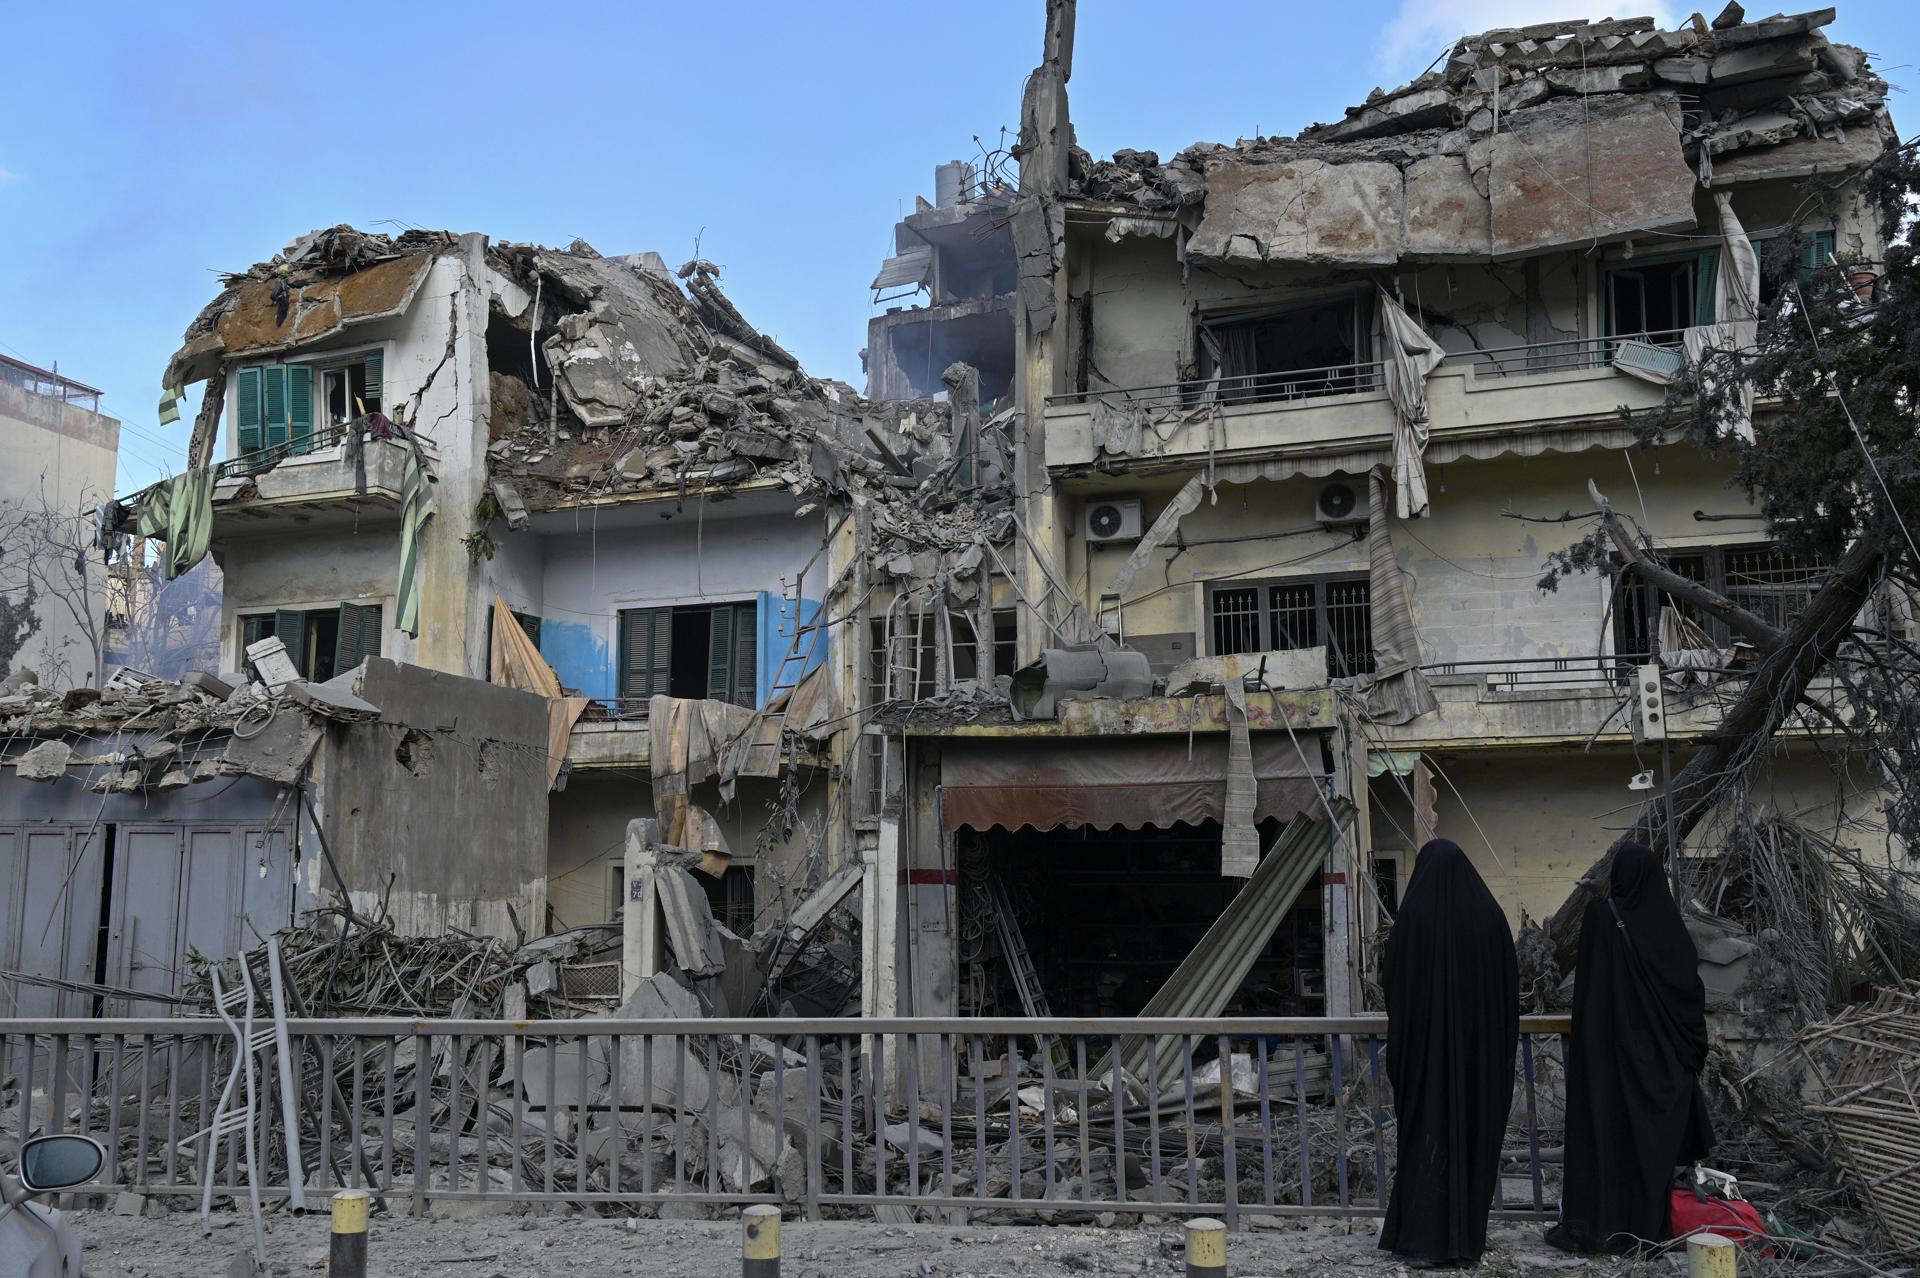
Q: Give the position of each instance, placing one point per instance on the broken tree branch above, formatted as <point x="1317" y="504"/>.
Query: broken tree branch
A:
<point x="1763" y="635"/>
<point x="1775" y="692"/>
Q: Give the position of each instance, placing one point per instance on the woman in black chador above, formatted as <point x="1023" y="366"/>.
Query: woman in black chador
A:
<point x="1453" y="1020"/>
<point x="1634" y="1107"/>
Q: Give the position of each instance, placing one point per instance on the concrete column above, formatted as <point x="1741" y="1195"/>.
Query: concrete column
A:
<point x="641" y="951"/>
<point x="880" y="922"/>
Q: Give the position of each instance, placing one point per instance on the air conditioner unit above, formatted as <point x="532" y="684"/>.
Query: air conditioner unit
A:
<point x="1340" y="501"/>
<point x="1115" y="519"/>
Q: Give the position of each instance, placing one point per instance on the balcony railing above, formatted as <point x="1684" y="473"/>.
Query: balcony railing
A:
<point x="1571" y="355"/>
<point x="1254" y="388"/>
<point x="267" y="458"/>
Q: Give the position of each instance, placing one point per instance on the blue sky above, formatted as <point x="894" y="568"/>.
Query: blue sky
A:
<point x="149" y="147"/>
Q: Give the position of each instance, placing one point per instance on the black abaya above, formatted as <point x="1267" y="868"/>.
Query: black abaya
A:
<point x="1634" y="1107"/>
<point x="1453" y="1022"/>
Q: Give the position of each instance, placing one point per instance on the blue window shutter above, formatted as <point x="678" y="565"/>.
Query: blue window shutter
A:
<point x="273" y="400"/>
<point x="300" y="406"/>
<point x="646" y="651"/>
<point x="246" y="409"/>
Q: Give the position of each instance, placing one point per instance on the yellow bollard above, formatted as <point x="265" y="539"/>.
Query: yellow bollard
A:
<point x="1206" y="1249"/>
<point x="347" y="1249"/>
<point x="760" y="1242"/>
<point x="1711" y="1256"/>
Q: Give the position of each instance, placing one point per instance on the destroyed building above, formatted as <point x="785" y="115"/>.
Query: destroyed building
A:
<point x="1306" y="414"/>
<point x="1177" y="581"/>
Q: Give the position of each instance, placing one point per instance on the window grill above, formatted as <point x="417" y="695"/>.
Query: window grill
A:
<point x="1236" y="621"/>
<point x="1767" y="581"/>
<point x="1280" y="616"/>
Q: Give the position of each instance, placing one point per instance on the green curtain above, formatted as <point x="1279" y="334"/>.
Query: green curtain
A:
<point x="179" y="511"/>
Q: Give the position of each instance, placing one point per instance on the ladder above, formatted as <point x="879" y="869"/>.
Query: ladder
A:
<point x="1013" y="947"/>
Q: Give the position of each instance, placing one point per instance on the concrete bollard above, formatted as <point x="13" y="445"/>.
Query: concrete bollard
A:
<point x="760" y="1242"/>
<point x="1711" y="1256"/>
<point x="1206" y="1249"/>
<point x="347" y="1250"/>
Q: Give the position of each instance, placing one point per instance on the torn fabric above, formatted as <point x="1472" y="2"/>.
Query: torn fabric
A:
<point x="1397" y="691"/>
<point x="170" y="398"/>
<point x="179" y="511"/>
<point x="1736" y="295"/>
<point x="1407" y="356"/>
<point x="416" y="509"/>
<point x="684" y="741"/>
<point x="514" y="662"/>
<point x="1184" y="503"/>
<point x="1126" y="783"/>
<point x="1239" y="841"/>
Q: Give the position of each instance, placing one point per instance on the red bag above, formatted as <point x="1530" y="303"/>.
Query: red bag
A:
<point x="1732" y="1219"/>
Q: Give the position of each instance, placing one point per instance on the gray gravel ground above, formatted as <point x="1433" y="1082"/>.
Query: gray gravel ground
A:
<point x="577" y="1246"/>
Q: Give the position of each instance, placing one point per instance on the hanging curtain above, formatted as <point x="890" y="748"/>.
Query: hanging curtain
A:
<point x="416" y="508"/>
<point x="1397" y="691"/>
<point x="179" y="511"/>
<point x="1408" y="355"/>
<point x="1736" y="311"/>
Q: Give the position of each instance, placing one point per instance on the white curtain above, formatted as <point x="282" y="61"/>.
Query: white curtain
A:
<point x="1408" y="355"/>
<point x="1736" y="312"/>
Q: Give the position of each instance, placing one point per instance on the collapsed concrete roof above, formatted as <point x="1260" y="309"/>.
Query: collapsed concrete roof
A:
<point x="1526" y="139"/>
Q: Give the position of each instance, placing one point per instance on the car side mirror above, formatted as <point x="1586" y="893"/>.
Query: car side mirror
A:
<point x="49" y="1163"/>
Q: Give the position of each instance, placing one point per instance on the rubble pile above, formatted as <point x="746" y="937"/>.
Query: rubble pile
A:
<point x="1487" y="152"/>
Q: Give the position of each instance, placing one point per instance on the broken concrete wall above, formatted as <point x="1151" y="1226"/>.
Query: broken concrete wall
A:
<point x="588" y="840"/>
<point x="440" y="808"/>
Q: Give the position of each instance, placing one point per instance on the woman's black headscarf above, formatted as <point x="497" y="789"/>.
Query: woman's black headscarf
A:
<point x="1453" y="1020"/>
<point x="1634" y="1107"/>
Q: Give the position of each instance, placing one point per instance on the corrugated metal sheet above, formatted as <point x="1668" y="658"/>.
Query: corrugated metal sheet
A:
<point x="911" y="267"/>
<point x="1209" y="975"/>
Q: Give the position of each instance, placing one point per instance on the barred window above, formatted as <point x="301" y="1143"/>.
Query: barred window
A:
<point x="1767" y="581"/>
<point x="1301" y="612"/>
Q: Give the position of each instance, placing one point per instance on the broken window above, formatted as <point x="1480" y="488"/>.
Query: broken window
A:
<point x="731" y="898"/>
<point x="351" y="389"/>
<point x="321" y="642"/>
<point x="1290" y="352"/>
<point x="1304" y="612"/>
<point x="706" y="651"/>
<point x="1659" y="297"/>
<point x="1760" y="577"/>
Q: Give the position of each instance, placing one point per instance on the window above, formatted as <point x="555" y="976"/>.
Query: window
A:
<point x="1815" y="248"/>
<point x="1322" y="340"/>
<point x="1304" y="612"/>
<point x="322" y="642"/>
<point x="731" y="898"/>
<point x="966" y="665"/>
<point x="529" y="624"/>
<point x="1762" y="578"/>
<point x="699" y="652"/>
<point x="274" y="404"/>
<point x="1659" y="295"/>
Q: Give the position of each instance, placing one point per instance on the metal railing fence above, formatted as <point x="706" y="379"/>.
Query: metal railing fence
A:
<point x="1243" y="1117"/>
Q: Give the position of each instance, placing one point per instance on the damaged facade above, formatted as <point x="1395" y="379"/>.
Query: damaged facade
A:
<point x="1176" y="582"/>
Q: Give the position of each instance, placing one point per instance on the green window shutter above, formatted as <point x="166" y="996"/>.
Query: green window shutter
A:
<point x="1813" y="258"/>
<point x="291" y="627"/>
<point x="255" y="628"/>
<point x="359" y="636"/>
<point x="720" y="654"/>
<point x="300" y="406"/>
<point x="273" y="400"/>
<point x="746" y="656"/>
<point x="1706" y="286"/>
<point x="530" y="624"/>
<point x="376" y="380"/>
<point x="246" y="409"/>
<point x="646" y="651"/>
